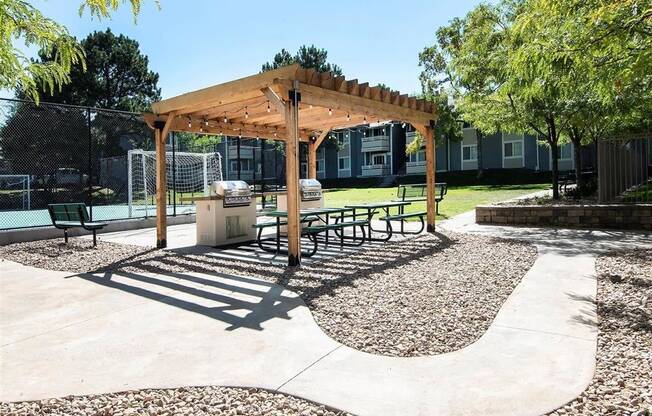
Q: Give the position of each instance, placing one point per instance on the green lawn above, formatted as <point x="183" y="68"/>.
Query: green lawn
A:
<point x="459" y="198"/>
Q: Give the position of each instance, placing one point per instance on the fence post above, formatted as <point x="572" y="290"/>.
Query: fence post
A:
<point x="90" y="163"/>
<point x="238" y="155"/>
<point x="130" y="182"/>
<point x="174" y="174"/>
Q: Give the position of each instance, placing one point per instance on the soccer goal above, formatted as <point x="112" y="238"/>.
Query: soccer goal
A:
<point x="16" y="191"/>
<point x="188" y="174"/>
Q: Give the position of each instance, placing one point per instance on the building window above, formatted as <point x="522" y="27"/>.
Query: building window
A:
<point x="342" y="139"/>
<point x="245" y="165"/>
<point x="374" y="158"/>
<point x="344" y="163"/>
<point x="470" y="153"/>
<point x="513" y="149"/>
<point x="565" y="152"/>
<point x="320" y="159"/>
<point x="419" y="156"/>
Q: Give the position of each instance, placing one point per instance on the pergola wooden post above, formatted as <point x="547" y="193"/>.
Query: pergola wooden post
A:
<point x="428" y="133"/>
<point x="312" y="159"/>
<point x="161" y="130"/>
<point x="292" y="176"/>
<point x="266" y="106"/>
<point x="313" y="146"/>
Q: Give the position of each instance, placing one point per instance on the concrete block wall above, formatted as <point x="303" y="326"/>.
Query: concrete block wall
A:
<point x="631" y="217"/>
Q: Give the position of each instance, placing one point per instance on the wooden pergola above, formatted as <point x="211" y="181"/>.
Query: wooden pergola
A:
<point x="291" y="104"/>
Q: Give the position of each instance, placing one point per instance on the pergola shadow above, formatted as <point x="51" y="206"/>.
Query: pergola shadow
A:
<point x="244" y="292"/>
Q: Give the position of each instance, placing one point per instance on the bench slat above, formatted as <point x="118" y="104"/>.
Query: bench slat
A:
<point x="317" y="228"/>
<point x="403" y="216"/>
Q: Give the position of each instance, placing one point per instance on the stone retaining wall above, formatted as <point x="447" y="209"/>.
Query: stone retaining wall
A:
<point x="633" y="217"/>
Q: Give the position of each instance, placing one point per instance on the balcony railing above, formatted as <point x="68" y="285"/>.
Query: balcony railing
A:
<point x="375" y="170"/>
<point x="415" y="167"/>
<point x="375" y="144"/>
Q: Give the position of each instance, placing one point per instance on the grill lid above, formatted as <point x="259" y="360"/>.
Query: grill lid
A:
<point x="228" y="188"/>
<point x="233" y="193"/>
<point x="310" y="189"/>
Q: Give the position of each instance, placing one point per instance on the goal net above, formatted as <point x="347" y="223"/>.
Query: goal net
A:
<point x="15" y="192"/>
<point x="188" y="174"/>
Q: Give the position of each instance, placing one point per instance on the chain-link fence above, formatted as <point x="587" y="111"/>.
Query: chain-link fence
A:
<point x="51" y="153"/>
<point x="625" y="169"/>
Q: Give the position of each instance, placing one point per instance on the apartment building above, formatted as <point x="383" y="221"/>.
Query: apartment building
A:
<point x="378" y="150"/>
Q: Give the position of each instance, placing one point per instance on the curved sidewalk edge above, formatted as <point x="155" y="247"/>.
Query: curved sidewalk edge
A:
<point x="538" y="354"/>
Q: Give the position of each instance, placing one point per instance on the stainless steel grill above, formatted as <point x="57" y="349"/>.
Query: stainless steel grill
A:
<point x="233" y="193"/>
<point x="310" y="189"/>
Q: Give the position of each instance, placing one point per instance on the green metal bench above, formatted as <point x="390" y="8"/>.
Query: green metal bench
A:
<point x="418" y="192"/>
<point x="73" y="215"/>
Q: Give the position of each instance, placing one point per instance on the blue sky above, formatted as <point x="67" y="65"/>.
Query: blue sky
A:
<point x="197" y="43"/>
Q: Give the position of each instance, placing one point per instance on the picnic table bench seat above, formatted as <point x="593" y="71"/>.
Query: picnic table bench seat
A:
<point x="402" y="217"/>
<point x="73" y="215"/>
<point x="313" y="230"/>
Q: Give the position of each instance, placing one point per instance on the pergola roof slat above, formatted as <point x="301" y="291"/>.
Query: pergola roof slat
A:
<point x="245" y="101"/>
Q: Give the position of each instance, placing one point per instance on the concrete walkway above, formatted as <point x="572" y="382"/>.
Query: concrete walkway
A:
<point x="63" y="334"/>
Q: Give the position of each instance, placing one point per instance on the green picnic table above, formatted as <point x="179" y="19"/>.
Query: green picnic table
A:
<point x="374" y="208"/>
<point x="306" y="216"/>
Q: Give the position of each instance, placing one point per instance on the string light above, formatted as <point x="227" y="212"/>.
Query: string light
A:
<point x="246" y="113"/>
<point x="364" y="120"/>
<point x="189" y="122"/>
<point x="348" y="117"/>
<point x="330" y="112"/>
<point x="311" y="106"/>
<point x="268" y="107"/>
<point x="226" y="120"/>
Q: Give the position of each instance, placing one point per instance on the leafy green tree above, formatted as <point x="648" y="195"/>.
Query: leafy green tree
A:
<point x="23" y="23"/>
<point x="592" y="59"/>
<point x="466" y="59"/>
<point x="116" y="76"/>
<point x="307" y="57"/>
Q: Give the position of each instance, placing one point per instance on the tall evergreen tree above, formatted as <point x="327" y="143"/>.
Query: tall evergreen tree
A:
<point x="117" y="76"/>
<point x="307" y="57"/>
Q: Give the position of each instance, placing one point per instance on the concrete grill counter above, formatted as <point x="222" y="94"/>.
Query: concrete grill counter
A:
<point x="227" y="215"/>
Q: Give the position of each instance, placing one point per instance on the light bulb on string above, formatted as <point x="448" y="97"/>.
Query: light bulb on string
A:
<point x="246" y="113"/>
<point x="348" y="117"/>
<point x="226" y="120"/>
<point x="189" y="123"/>
<point x="330" y="112"/>
<point x="269" y="109"/>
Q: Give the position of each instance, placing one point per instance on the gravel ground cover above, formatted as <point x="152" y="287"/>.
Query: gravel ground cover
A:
<point x="622" y="384"/>
<point x="195" y="401"/>
<point x="416" y="297"/>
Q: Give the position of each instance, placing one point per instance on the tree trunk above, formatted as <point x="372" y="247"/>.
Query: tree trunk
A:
<point x="577" y="155"/>
<point x="478" y="135"/>
<point x="554" y="151"/>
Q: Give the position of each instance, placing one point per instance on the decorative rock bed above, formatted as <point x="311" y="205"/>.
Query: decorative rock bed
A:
<point x="422" y="296"/>
<point x="622" y="384"/>
<point x="191" y="401"/>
